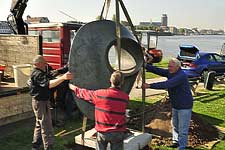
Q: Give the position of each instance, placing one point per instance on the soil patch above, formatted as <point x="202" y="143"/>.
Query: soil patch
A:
<point x="158" y="123"/>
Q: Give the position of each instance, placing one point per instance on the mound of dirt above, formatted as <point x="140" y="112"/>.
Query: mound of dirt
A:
<point x="158" y="123"/>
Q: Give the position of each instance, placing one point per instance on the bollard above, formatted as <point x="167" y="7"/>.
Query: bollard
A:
<point x="209" y="81"/>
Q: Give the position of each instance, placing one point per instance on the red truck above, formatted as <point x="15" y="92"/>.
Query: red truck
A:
<point x="56" y="40"/>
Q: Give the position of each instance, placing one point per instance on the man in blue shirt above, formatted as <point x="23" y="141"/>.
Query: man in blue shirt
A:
<point x="180" y="97"/>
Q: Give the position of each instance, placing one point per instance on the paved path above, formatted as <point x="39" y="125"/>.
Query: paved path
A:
<point x="137" y="93"/>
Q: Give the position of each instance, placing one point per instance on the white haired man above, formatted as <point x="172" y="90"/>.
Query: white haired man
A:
<point x="40" y="91"/>
<point x="180" y="97"/>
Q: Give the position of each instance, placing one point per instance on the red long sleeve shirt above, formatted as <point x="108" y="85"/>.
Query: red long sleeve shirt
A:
<point x="110" y="108"/>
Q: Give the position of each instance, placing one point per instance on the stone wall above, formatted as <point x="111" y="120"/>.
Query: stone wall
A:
<point x="15" y="107"/>
<point x="18" y="49"/>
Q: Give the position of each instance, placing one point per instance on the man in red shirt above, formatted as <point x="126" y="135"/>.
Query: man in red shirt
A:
<point x="110" y="107"/>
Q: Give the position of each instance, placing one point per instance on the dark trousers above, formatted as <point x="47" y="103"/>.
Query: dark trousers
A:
<point x="43" y="130"/>
<point x="115" y="139"/>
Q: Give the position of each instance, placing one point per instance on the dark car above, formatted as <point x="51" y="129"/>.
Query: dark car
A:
<point x="196" y="63"/>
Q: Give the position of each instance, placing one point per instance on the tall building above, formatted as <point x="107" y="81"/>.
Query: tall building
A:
<point x="164" y="20"/>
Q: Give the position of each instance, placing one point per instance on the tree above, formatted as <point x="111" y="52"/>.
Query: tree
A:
<point x="98" y="17"/>
<point x="181" y="31"/>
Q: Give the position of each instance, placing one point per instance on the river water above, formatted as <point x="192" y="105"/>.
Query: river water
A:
<point x="207" y="43"/>
<point x="170" y="47"/>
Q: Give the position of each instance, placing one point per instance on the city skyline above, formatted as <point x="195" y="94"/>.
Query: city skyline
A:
<point x="203" y="14"/>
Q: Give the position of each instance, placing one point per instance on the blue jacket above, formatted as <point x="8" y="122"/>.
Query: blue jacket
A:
<point x="177" y="85"/>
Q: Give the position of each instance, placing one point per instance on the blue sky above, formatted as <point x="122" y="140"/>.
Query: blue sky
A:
<point x="181" y="13"/>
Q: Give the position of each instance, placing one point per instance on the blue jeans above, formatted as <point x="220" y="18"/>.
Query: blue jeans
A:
<point x="115" y="139"/>
<point x="180" y="126"/>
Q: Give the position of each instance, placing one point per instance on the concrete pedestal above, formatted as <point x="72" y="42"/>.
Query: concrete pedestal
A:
<point x="137" y="140"/>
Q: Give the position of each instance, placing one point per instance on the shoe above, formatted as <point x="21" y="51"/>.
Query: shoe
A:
<point x="35" y="147"/>
<point x="174" y="145"/>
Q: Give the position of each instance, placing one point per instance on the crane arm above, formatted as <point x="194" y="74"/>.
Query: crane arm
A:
<point x="15" y="19"/>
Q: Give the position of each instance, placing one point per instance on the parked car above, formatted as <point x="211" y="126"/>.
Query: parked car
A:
<point x="197" y="64"/>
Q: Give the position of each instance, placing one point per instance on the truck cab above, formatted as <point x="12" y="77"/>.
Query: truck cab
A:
<point x="149" y="41"/>
<point x="56" y="41"/>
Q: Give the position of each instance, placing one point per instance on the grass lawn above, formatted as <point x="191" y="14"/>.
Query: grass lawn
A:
<point x="21" y="139"/>
<point x="162" y="64"/>
<point x="211" y="105"/>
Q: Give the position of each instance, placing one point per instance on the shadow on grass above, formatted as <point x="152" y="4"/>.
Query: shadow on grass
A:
<point x="209" y="119"/>
<point x="209" y="97"/>
<point x="208" y="124"/>
<point x="19" y="135"/>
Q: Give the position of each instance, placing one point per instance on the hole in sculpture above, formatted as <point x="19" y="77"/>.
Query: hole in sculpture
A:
<point x="128" y="63"/>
